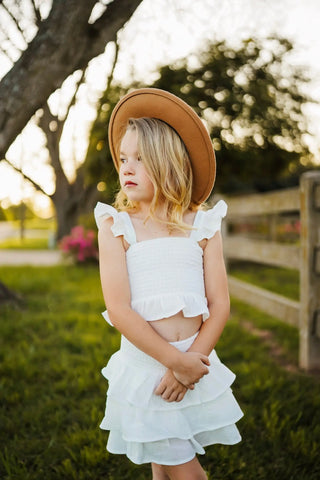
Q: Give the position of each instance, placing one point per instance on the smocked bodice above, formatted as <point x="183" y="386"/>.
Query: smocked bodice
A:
<point x="166" y="273"/>
<point x="165" y="277"/>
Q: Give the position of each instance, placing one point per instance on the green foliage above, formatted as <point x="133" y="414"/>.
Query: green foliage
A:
<point x="15" y="212"/>
<point x="98" y="164"/>
<point x="52" y="393"/>
<point x="251" y="100"/>
<point x="2" y="215"/>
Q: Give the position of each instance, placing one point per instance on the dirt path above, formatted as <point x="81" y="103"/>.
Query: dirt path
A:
<point x="30" y="257"/>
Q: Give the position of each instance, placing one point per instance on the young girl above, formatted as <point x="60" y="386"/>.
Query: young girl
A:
<point x="165" y="288"/>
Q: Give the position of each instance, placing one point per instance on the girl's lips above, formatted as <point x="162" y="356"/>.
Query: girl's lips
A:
<point x="130" y="184"/>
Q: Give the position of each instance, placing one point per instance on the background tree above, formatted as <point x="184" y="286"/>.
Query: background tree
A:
<point x="252" y="101"/>
<point x="64" y="37"/>
<point x="58" y="32"/>
<point x="64" y="41"/>
<point x="72" y="196"/>
<point x="98" y="164"/>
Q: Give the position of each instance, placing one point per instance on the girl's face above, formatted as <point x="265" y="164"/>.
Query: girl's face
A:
<point x="134" y="179"/>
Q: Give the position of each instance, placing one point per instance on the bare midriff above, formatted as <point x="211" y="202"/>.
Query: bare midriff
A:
<point x="177" y="327"/>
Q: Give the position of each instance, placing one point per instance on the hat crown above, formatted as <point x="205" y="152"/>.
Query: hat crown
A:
<point x="156" y="103"/>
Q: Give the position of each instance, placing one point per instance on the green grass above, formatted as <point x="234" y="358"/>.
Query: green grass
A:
<point x="25" y="244"/>
<point x="52" y="393"/>
<point x="279" y="280"/>
<point x="36" y="223"/>
<point x="43" y="228"/>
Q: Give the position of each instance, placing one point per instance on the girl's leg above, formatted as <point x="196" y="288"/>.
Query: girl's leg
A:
<point x="158" y="472"/>
<point x="187" y="471"/>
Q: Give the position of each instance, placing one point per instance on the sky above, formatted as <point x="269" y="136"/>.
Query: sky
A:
<point x="160" y="32"/>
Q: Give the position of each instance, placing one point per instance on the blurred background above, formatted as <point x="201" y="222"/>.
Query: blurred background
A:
<point x="249" y="68"/>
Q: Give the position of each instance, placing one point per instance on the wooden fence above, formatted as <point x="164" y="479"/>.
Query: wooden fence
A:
<point x="304" y="256"/>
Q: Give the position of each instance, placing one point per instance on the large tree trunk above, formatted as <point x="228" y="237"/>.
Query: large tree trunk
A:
<point x="67" y="217"/>
<point x="71" y="200"/>
<point x="64" y="43"/>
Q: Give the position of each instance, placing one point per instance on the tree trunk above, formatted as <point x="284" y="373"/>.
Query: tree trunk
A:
<point x="67" y="217"/>
<point x="72" y="200"/>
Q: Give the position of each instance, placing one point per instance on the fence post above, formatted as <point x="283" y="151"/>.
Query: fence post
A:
<point x="310" y="271"/>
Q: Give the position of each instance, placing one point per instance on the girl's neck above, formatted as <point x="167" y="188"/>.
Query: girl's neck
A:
<point x="160" y="211"/>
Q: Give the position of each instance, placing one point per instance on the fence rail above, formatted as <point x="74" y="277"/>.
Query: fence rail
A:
<point x="274" y="253"/>
<point x="265" y="203"/>
<point x="276" y="305"/>
<point x="304" y="257"/>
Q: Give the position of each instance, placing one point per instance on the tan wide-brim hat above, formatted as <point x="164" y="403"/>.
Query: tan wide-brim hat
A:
<point x="156" y="103"/>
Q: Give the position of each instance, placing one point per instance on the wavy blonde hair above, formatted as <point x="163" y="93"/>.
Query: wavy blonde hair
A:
<point x="167" y="162"/>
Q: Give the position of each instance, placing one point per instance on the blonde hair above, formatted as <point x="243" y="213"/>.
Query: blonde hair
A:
<point x="167" y="162"/>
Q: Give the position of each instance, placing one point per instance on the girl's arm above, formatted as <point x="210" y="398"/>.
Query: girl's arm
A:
<point x="219" y="307"/>
<point x="116" y="291"/>
<point x="216" y="286"/>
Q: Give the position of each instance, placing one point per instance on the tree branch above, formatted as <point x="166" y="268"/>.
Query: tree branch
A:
<point x="74" y="96"/>
<point x="15" y="21"/>
<point x="114" y="63"/>
<point x="64" y="43"/>
<point x="7" y="54"/>
<point x="37" y="13"/>
<point x="13" y="45"/>
<point x="26" y="177"/>
<point x="53" y="139"/>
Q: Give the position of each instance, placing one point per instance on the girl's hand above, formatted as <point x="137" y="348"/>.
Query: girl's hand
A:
<point x="170" y="389"/>
<point x="193" y="367"/>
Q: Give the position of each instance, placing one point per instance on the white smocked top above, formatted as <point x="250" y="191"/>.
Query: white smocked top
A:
<point x="165" y="273"/>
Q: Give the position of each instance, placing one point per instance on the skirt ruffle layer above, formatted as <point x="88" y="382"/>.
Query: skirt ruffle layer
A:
<point x="148" y="429"/>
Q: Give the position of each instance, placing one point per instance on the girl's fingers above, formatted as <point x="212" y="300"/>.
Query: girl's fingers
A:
<point x="159" y="390"/>
<point x="205" y="360"/>
<point x="167" y="394"/>
<point x="173" y="395"/>
<point x="180" y="397"/>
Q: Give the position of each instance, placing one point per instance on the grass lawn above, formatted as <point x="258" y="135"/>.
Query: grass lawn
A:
<point x="37" y="234"/>
<point x="279" y="280"/>
<point x="52" y="393"/>
<point x="25" y="244"/>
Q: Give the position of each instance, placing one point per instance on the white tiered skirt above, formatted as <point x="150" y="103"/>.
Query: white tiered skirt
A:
<point x="148" y="429"/>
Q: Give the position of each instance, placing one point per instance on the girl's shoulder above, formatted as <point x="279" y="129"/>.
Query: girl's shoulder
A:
<point x="121" y="224"/>
<point x="208" y="222"/>
<point x="102" y="211"/>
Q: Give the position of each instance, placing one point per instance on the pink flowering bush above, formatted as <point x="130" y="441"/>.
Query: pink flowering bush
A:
<point x="80" y="245"/>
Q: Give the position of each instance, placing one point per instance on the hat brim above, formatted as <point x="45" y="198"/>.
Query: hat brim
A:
<point x="156" y="103"/>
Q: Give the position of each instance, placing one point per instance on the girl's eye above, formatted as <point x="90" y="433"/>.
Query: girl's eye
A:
<point x="123" y="160"/>
<point x="139" y="158"/>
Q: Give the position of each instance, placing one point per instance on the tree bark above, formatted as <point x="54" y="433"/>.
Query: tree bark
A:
<point x="64" y="43"/>
<point x="70" y="201"/>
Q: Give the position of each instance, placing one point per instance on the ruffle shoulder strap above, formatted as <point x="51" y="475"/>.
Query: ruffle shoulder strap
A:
<point x="208" y="222"/>
<point x="121" y="221"/>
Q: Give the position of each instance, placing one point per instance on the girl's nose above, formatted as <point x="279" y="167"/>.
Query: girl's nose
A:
<point x="128" y="168"/>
